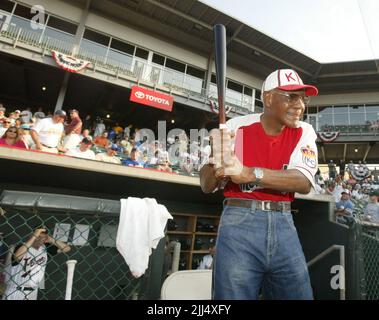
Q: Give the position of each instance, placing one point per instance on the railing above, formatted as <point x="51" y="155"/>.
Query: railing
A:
<point x="119" y="63"/>
<point x="366" y="129"/>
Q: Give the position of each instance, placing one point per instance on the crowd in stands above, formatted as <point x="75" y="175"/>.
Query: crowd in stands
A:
<point x="354" y="198"/>
<point x="66" y="133"/>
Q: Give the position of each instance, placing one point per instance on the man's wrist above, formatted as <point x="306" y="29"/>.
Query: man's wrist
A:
<point x="257" y="174"/>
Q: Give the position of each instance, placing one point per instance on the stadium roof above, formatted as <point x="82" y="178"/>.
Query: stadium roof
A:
<point x="190" y="24"/>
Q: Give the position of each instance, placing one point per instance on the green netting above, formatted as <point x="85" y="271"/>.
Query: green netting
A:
<point x="100" y="273"/>
<point x="370" y="248"/>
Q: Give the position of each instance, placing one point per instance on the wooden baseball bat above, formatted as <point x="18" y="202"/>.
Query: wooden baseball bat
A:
<point x="70" y="277"/>
<point x="220" y="63"/>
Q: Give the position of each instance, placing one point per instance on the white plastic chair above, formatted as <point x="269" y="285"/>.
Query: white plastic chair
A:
<point x="188" y="285"/>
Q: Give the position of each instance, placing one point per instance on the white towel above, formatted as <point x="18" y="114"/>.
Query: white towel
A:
<point x="141" y="226"/>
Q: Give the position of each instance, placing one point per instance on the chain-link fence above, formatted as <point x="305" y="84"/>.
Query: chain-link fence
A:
<point x="40" y="270"/>
<point x="370" y="250"/>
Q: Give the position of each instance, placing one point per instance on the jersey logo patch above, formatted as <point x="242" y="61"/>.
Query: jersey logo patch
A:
<point x="309" y="156"/>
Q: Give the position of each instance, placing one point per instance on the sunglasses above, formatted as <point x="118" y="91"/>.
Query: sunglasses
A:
<point x="11" y="131"/>
<point x="294" y="97"/>
<point x="7" y="122"/>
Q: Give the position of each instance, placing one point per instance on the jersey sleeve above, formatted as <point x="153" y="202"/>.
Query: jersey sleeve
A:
<point x="14" y="261"/>
<point x="305" y="156"/>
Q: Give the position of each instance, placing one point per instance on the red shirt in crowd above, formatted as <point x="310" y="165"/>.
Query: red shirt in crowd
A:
<point x="18" y="144"/>
<point x="72" y="125"/>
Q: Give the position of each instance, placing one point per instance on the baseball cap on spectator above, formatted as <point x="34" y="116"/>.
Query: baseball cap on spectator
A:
<point x="287" y="80"/>
<point x="347" y="191"/>
<point x="114" y="147"/>
<point x="17" y="111"/>
<point x="25" y="126"/>
<point x="87" y="141"/>
<point x="2" y="108"/>
<point x="374" y="193"/>
<point x="60" y="113"/>
<point x="74" y="110"/>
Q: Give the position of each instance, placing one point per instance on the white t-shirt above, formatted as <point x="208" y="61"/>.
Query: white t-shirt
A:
<point x="77" y="153"/>
<point x="49" y="133"/>
<point x="100" y="128"/>
<point x="105" y="158"/>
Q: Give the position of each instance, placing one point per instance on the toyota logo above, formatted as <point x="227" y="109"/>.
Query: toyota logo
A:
<point x="139" y="95"/>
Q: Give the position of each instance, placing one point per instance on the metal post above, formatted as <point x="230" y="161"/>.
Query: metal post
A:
<point x="62" y="92"/>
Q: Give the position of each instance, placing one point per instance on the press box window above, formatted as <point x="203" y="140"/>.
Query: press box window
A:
<point x="122" y="46"/>
<point x="6" y="5"/>
<point x="195" y="72"/>
<point x="175" y="65"/>
<point x="158" y="59"/>
<point x="62" y="25"/>
<point x="235" y="86"/>
<point x="96" y="37"/>
<point x="142" y="53"/>
<point x="26" y="12"/>
<point x="248" y="91"/>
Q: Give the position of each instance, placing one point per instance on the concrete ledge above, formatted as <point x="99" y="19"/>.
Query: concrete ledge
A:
<point x="93" y="165"/>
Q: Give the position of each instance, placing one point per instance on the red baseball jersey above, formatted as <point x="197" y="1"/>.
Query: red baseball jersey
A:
<point x="294" y="148"/>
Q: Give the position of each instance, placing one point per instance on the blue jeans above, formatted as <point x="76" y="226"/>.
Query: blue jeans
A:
<point x="259" y="252"/>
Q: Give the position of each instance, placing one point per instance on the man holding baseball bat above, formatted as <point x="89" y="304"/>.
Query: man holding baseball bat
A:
<point x="29" y="263"/>
<point x="261" y="160"/>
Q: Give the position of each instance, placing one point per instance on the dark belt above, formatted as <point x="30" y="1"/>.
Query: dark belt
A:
<point x="26" y="288"/>
<point x="260" y="205"/>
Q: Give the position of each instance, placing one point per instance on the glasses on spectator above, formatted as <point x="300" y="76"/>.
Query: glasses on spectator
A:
<point x="294" y="97"/>
<point x="7" y="122"/>
<point x="12" y="131"/>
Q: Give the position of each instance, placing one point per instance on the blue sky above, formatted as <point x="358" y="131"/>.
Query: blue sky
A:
<point x="325" y="30"/>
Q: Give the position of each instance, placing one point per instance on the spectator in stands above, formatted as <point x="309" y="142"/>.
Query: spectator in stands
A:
<point x="371" y="212"/>
<point x="17" y="114"/>
<point x="85" y="134"/>
<point x="133" y="161"/>
<point x="338" y="188"/>
<point x="5" y="125"/>
<point x="26" y="116"/>
<point x="186" y="164"/>
<point x="24" y="132"/>
<point x="2" y="113"/>
<point x="39" y="115"/>
<point x="110" y="155"/>
<point x="99" y="128"/>
<point x="344" y="208"/>
<point x="207" y="261"/>
<point x="12" y="117"/>
<point x="87" y="123"/>
<point x="11" y="138"/>
<point x="48" y="132"/>
<point x="118" y="129"/>
<point x="127" y="131"/>
<point x="102" y="141"/>
<point x="356" y="192"/>
<point x="73" y="130"/>
<point x="332" y="170"/>
<point x="82" y="151"/>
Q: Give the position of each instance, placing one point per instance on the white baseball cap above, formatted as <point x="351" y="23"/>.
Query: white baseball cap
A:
<point x="346" y="191"/>
<point x="288" y="80"/>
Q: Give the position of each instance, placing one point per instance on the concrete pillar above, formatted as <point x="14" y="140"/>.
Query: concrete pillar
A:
<point x="81" y="27"/>
<point x="62" y="91"/>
